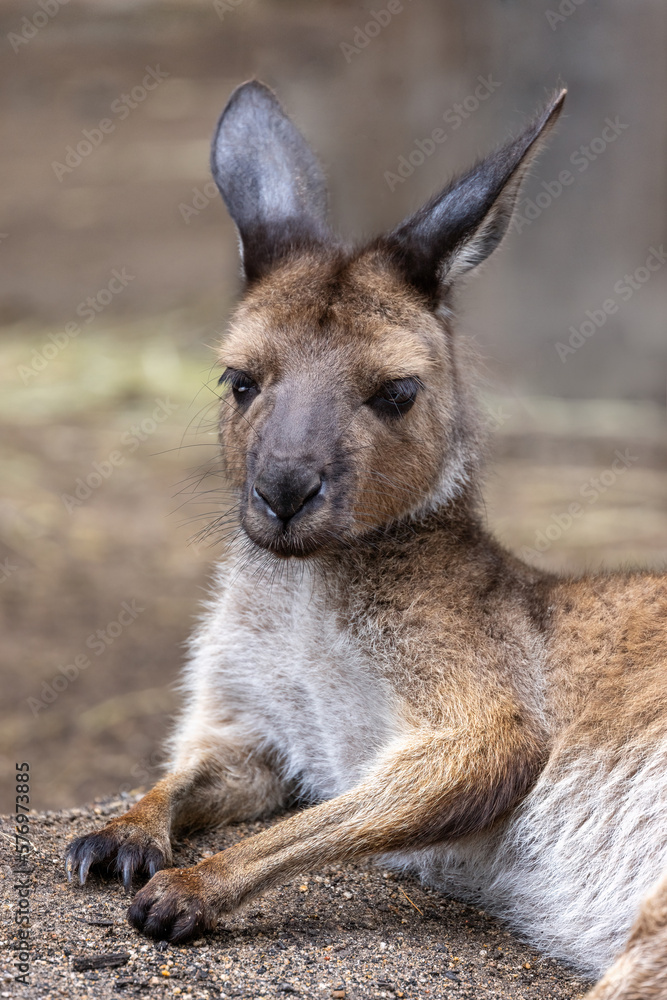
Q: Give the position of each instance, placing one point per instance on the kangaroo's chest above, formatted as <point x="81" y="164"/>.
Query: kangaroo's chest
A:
<point x="317" y="693"/>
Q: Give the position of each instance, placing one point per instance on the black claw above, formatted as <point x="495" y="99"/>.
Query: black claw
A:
<point x="69" y="863"/>
<point x="128" y="862"/>
<point x="128" y="850"/>
<point x="128" y="872"/>
<point x="82" y="854"/>
<point x="167" y="915"/>
<point x="85" y="868"/>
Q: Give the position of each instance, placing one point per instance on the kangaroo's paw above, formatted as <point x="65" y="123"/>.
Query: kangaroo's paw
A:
<point x="122" y="847"/>
<point x="176" y="905"/>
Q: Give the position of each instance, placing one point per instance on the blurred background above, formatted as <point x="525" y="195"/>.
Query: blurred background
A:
<point x="119" y="267"/>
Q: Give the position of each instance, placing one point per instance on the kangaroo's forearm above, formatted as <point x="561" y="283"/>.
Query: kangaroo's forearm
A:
<point x="429" y="787"/>
<point x="432" y="787"/>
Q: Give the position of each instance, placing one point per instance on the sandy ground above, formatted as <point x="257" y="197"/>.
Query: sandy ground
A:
<point x="343" y="932"/>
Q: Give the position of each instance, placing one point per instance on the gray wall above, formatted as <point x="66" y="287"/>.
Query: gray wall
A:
<point x="362" y="110"/>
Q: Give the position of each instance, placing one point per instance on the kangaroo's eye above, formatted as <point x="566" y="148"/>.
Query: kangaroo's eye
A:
<point x="395" y="397"/>
<point x="244" y="388"/>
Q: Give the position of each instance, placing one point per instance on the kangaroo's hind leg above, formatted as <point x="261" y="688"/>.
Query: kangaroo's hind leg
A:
<point x="220" y="781"/>
<point x="640" y="972"/>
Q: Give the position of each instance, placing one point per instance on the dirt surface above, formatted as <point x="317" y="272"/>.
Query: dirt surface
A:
<point x="351" y="932"/>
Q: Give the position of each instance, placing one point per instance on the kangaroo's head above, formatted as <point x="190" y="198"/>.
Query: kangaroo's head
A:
<point x="343" y="409"/>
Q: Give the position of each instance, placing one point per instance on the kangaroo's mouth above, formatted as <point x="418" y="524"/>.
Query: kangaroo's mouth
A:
<point x="300" y="536"/>
<point x="289" y="544"/>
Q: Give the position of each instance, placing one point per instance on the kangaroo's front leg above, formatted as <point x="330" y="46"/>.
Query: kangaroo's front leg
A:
<point x="228" y="782"/>
<point x="433" y="786"/>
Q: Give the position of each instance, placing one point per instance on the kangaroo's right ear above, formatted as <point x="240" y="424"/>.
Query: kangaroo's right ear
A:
<point x="269" y="178"/>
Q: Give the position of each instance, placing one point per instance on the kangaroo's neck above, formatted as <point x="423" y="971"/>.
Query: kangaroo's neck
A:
<point x="449" y="549"/>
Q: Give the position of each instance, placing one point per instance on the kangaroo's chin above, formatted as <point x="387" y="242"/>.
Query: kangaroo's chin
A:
<point x="288" y="544"/>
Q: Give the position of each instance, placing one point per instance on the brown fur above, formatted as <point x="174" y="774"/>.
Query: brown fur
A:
<point x="500" y="672"/>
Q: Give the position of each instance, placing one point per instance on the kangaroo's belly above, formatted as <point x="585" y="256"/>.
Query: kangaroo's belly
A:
<point x="569" y="867"/>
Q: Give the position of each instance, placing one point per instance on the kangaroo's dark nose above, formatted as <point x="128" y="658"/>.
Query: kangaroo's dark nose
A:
<point x="283" y="493"/>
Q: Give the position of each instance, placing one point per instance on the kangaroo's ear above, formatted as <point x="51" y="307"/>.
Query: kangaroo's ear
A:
<point x="460" y="227"/>
<point x="268" y="177"/>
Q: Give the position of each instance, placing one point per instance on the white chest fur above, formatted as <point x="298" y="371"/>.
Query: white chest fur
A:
<point x="272" y="660"/>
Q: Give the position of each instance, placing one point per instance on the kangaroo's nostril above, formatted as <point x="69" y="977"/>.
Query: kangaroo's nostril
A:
<point x="285" y="495"/>
<point x="314" y="490"/>
<point x="265" y="500"/>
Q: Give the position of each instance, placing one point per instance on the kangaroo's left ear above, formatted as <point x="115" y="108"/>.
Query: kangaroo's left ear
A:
<point x="460" y="227"/>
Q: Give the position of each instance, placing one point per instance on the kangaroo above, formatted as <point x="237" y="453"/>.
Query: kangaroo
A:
<point x="368" y="647"/>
